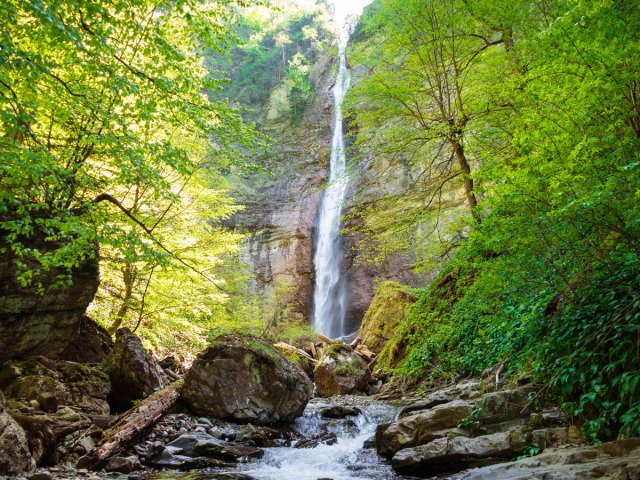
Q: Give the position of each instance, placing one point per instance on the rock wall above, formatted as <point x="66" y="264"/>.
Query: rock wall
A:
<point x="281" y="207"/>
<point x="42" y="324"/>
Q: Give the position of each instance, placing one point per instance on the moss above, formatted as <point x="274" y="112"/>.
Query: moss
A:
<point x="338" y="347"/>
<point x="390" y="306"/>
<point x="349" y="367"/>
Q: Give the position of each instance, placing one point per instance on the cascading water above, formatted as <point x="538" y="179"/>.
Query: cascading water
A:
<point x="343" y="460"/>
<point x="329" y="297"/>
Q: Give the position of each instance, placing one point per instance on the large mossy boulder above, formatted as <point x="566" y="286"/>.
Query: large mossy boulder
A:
<point x="389" y="307"/>
<point x="14" y="448"/>
<point x="34" y="322"/>
<point x="56" y="383"/>
<point x="340" y="371"/>
<point x="134" y="373"/>
<point x="245" y="379"/>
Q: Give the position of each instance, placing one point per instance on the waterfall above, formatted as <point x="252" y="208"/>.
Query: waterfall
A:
<point x="329" y="297"/>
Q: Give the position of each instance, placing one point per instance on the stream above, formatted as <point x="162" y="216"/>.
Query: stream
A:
<point x="346" y="459"/>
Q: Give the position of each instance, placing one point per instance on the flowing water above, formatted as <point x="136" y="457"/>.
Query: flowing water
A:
<point x="329" y="292"/>
<point x="344" y="460"/>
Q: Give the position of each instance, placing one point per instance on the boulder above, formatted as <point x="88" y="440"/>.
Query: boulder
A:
<point x="340" y="371"/>
<point x="41" y="323"/>
<point x="134" y="373"/>
<point x="123" y="464"/>
<point x="90" y="344"/>
<point x="53" y="383"/>
<point x="245" y="379"/>
<point x="15" y="457"/>
<point x="464" y="390"/>
<point x="422" y="427"/>
<point x="390" y="305"/>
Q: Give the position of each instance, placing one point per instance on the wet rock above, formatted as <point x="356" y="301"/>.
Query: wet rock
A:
<point x="32" y="323"/>
<point x="455" y="454"/>
<point x="90" y="344"/>
<point x="340" y="371"/>
<point x="339" y="411"/>
<point x="390" y="305"/>
<point x="422" y="427"/>
<point x="123" y="464"/>
<point x="324" y="439"/>
<point x="55" y="382"/>
<point x="171" y="458"/>
<point x="245" y="379"/>
<point x="615" y="460"/>
<point x="204" y="445"/>
<point x="15" y="457"/>
<point x="134" y="374"/>
<point x="40" y="476"/>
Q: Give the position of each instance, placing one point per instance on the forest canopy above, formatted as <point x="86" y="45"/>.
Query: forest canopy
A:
<point x="531" y="111"/>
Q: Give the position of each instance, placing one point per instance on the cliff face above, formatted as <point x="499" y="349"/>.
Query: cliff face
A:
<point x="281" y="205"/>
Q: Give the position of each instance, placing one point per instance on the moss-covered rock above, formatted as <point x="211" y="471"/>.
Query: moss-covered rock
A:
<point x="81" y="386"/>
<point x="340" y="371"/>
<point x="245" y="379"/>
<point x="390" y="306"/>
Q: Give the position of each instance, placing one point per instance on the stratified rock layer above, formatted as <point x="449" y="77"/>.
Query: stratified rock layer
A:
<point x="245" y="379"/>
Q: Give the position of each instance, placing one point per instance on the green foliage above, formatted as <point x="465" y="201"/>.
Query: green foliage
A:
<point x="274" y="45"/>
<point x="547" y="278"/>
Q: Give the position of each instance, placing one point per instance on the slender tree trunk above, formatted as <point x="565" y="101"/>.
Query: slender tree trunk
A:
<point x="465" y="168"/>
<point x="128" y="275"/>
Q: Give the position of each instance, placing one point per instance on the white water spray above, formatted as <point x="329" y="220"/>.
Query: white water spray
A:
<point x="329" y="298"/>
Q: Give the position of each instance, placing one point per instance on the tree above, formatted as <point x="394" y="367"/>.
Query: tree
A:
<point x="102" y="113"/>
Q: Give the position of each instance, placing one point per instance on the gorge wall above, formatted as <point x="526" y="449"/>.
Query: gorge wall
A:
<point x="281" y="202"/>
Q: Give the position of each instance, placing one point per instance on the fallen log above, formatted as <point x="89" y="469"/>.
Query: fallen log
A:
<point x="363" y="352"/>
<point x="326" y="340"/>
<point x="134" y="421"/>
<point x="314" y="352"/>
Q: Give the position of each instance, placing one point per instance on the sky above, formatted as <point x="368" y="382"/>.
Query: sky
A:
<point x="343" y="7"/>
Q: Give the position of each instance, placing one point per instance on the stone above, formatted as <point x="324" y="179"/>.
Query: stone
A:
<point x="611" y="461"/>
<point x="15" y="457"/>
<point x="422" y="427"/>
<point x="40" y="476"/>
<point x="123" y="464"/>
<point x="133" y="373"/>
<point x="390" y="305"/>
<point x="53" y="383"/>
<point x="340" y="371"/>
<point x="91" y="343"/>
<point x="204" y="445"/>
<point x="448" y="454"/>
<point x="463" y="390"/>
<point x="506" y="405"/>
<point x="242" y="378"/>
<point x="339" y="411"/>
<point x="322" y="439"/>
<point x="170" y="457"/>
<point x="32" y="323"/>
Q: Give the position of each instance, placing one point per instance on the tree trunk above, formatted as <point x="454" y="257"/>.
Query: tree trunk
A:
<point x="465" y="168"/>
<point x="135" y="420"/>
